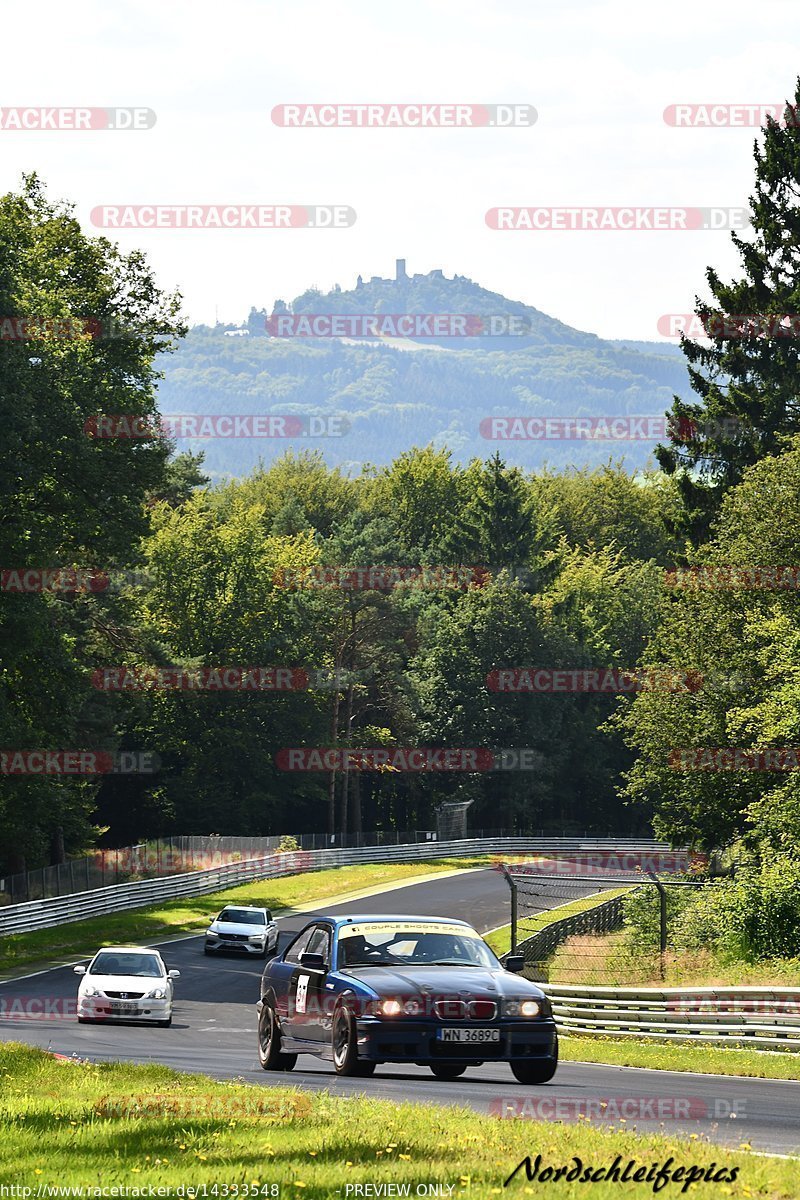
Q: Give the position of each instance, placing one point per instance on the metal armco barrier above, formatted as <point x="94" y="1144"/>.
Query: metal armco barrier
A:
<point x="61" y="910"/>
<point x="765" y="1018"/>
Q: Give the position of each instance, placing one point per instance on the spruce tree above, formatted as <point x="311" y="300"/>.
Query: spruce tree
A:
<point x="746" y="376"/>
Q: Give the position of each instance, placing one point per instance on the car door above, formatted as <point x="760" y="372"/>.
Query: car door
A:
<point x="283" y="976"/>
<point x="304" y="986"/>
<point x="318" y="997"/>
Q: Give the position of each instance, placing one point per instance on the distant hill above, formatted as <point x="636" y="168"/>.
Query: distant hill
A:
<point x="398" y="392"/>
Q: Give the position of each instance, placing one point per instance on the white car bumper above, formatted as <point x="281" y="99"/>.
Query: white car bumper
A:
<point x="108" y="1009"/>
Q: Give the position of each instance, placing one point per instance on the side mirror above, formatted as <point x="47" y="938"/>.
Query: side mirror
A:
<point x="315" y="962"/>
<point x="173" y="974"/>
<point x="515" y="963"/>
<point x="79" y="970"/>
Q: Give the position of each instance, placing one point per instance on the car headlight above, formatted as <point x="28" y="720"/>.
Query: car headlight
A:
<point x="212" y="933"/>
<point x="390" y="1008"/>
<point x="257" y="938"/>
<point x="91" y="991"/>
<point x="158" y="993"/>
<point x="412" y="1008"/>
<point x="526" y="1008"/>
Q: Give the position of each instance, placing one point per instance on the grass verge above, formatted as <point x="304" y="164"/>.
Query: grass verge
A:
<point x="708" y="1060"/>
<point x="70" y="1124"/>
<point x="190" y="915"/>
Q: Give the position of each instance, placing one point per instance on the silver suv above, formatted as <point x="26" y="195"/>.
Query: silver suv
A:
<point x="249" y="930"/>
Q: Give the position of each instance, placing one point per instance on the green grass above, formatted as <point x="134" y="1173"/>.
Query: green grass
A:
<point x="71" y="1124"/>
<point x="500" y="939"/>
<point x="190" y="915"/>
<point x="709" y="1060"/>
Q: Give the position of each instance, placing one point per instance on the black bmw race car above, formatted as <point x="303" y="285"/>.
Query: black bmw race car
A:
<point x="359" y="991"/>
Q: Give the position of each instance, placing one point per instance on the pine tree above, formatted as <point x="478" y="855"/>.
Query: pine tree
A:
<point x="747" y="377"/>
<point x="497" y="527"/>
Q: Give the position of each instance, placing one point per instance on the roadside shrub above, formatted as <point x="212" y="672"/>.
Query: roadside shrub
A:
<point x="752" y="917"/>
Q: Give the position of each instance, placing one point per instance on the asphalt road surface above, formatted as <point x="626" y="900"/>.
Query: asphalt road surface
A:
<point x="214" y="1031"/>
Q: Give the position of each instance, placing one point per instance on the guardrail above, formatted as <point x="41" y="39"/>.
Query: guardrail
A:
<point x="62" y="910"/>
<point x="765" y="1018"/>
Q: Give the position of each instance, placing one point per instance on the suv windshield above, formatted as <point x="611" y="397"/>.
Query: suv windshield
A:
<point x="242" y="916"/>
<point x="115" y="963"/>
<point x="407" y="945"/>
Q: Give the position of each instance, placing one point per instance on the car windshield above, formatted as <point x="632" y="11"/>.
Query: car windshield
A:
<point x="417" y="945"/>
<point x="115" y="962"/>
<point x="242" y="916"/>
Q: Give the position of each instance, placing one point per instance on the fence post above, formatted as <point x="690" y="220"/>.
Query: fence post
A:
<point x="513" y="886"/>
<point x="662" y="898"/>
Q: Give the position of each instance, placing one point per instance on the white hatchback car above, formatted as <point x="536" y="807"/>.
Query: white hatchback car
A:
<point x="129" y="983"/>
<point x="251" y="930"/>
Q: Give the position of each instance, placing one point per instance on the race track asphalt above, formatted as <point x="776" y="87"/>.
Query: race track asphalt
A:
<point x="214" y="1031"/>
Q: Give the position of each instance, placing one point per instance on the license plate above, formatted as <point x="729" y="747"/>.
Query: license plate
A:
<point x="468" y="1035"/>
<point x="124" y="1006"/>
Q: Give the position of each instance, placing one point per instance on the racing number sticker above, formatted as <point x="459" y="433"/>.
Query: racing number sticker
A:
<point x="302" y="992"/>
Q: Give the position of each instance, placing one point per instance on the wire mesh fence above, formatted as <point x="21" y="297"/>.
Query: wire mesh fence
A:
<point x="607" y="926"/>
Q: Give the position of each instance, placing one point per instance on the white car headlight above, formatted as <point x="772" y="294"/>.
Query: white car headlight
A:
<point x="390" y="1008"/>
<point x="258" y="938"/>
<point x="157" y="994"/>
<point x="523" y="1008"/>
<point x="212" y="933"/>
<point x="91" y="991"/>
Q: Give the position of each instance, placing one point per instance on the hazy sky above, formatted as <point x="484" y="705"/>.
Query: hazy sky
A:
<point x="600" y="76"/>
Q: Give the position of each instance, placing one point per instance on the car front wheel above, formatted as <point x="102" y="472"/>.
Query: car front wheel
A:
<point x="269" y="1043"/>
<point x="534" y="1070"/>
<point x="345" y="1046"/>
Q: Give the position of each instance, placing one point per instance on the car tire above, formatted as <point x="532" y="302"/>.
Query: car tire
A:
<point x="165" y="1024"/>
<point x="446" y="1070"/>
<point x="207" y="950"/>
<point x="344" y="1046"/>
<point x="532" y="1070"/>
<point x="86" y="1020"/>
<point x="270" y="1054"/>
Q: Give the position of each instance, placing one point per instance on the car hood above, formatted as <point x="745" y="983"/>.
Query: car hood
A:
<point x="124" y="983"/>
<point x="444" y="981"/>
<point x="236" y="927"/>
